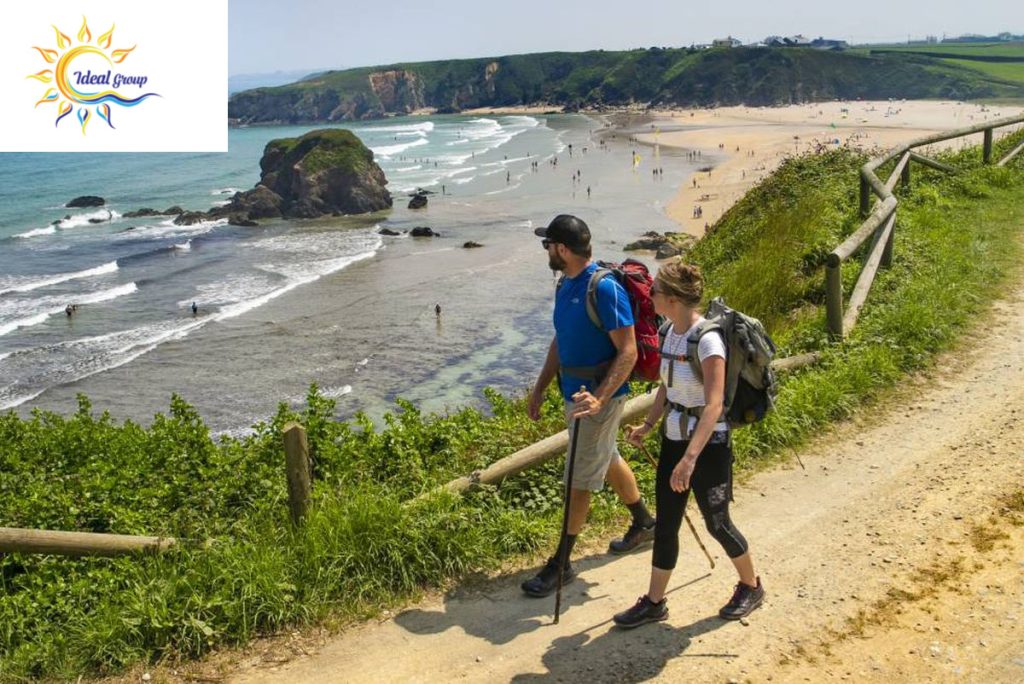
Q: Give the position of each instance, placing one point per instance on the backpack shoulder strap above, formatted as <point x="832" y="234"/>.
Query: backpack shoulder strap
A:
<point x="662" y="335"/>
<point x="595" y="279"/>
<point x="693" y="343"/>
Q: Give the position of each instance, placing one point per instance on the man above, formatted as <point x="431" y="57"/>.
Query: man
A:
<point x="600" y="360"/>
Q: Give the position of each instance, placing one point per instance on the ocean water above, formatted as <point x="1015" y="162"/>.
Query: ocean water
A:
<point x="288" y="303"/>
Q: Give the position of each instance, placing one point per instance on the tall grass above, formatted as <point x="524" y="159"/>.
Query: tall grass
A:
<point x="369" y="543"/>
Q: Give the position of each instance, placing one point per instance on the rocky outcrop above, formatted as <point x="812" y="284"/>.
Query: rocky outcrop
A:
<point x="665" y="246"/>
<point x="388" y="232"/>
<point x="422" y="231"/>
<point x="86" y="201"/>
<point x="469" y="244"/>
<point x="324" y="172"/>
<point x="146" y="211"/>
<point x="418" y="201"/>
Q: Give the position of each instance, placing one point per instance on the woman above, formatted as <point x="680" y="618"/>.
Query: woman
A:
<point x="696" y="449"/>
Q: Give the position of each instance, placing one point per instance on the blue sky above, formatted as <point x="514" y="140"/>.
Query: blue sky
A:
<point x="270" y="35"/>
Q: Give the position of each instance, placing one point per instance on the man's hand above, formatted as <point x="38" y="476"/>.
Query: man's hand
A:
<point x="586" y="404"/>
<point x="534" y="404"/>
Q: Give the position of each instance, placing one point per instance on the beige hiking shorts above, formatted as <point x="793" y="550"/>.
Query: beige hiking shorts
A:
<point x="596" y="447"/>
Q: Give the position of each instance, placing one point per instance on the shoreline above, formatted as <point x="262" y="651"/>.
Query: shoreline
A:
<point x="770" y="135"/>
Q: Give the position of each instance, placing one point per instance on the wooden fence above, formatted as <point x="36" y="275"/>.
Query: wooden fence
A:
<point x="880" y="221"/>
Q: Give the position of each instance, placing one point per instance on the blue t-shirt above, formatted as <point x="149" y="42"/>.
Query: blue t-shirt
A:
<point x="580" y="342"/>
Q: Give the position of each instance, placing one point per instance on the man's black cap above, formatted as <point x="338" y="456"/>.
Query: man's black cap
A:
<point x="567" y="230"/>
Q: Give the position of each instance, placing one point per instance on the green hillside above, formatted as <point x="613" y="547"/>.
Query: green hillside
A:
<point x="665" y="77"/>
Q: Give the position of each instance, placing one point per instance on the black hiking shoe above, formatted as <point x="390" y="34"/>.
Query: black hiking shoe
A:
<point x="546" y="581"/>
<point x="642" y="612"/>
<point x="635" y="536"/>
<point x="745" y="599"/>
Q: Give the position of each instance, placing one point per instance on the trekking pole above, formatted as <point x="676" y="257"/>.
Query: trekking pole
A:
<point x="563" y="548"/>
<point x="686" y="516"/>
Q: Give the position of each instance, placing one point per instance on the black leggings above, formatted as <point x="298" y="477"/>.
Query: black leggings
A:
<point x="712" y="487"/>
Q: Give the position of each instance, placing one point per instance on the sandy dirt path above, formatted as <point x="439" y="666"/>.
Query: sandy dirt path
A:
<point x="896" y="555"/>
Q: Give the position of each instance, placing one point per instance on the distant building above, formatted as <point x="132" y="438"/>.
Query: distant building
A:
<point x="827" y="44"/>
<point x="788" y="41"/>
<point x="728" y="42"/>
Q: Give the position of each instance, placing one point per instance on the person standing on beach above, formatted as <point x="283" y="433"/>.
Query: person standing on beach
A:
<point x="696" y="448"/>
<point x="600" y="361"/>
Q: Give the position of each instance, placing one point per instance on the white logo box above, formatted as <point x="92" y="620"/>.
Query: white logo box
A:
<point x="180" y="54"/>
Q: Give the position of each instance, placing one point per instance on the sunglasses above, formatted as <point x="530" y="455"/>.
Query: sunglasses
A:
<point x="547" y="242"/>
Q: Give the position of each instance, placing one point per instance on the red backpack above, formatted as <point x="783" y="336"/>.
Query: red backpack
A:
<point x="636" y="280"/>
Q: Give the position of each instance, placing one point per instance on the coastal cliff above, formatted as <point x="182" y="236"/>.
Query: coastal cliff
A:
<point x="596" y="79"/>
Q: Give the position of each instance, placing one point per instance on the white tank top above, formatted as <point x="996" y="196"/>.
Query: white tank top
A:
<point x="686" y="389"/>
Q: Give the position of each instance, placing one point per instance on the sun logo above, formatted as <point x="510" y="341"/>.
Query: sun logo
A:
<point x="86" y="64"/>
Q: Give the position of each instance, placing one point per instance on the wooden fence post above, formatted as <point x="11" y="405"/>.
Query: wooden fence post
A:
<point x="865" y="196"/>
<point x="905" y="178"/>
<point x="886" y="260"/>
<point x="297" y="468"/>
<point x="986" y="147"/>
<point x="834" y="297"/>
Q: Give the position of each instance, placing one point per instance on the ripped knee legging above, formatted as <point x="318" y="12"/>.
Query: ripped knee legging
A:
<point x="711" y="483"/>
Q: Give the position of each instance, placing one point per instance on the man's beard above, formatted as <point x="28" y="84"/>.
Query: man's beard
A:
<point x="556" y="263"/>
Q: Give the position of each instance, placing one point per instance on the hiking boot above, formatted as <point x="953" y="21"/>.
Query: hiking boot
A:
<point x="636" y="535"/>
<point x="642" y="612"/>
<point x="546" y="581"/>
<point x="745" y="599"/>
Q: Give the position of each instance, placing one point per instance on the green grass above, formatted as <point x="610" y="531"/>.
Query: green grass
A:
<point x="366" y="547"/>
<point x="1003" y="71"/>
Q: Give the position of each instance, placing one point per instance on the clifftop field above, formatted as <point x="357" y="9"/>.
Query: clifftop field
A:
<point x="1001" y="61"/>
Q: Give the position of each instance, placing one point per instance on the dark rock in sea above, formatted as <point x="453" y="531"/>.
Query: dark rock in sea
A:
<point x="258" y="203"/>
<point x="241" y="220"/>
<point x="318" y="174"/>
<point x="147" y="211"/>
<point x="388" y="232"/>
<point x="56" y="223"/>
<point x="422" y="231"/>
<point x="470" y="244"/>
<point x="667" y="251"/>
<point x="98" y="220"/>
<point x="86" y="201"/>
<point x="418" y="202"/>
<point x="140" y="213"/>
<point x="646" y="243"/>
<point x="190" y="218"/>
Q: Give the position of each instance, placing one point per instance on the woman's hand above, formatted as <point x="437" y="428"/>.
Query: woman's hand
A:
<point x="637" y="433"/>
<point x="680" y="479"/>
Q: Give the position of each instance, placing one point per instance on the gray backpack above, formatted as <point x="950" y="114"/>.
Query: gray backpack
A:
<point x="750" y="383"/>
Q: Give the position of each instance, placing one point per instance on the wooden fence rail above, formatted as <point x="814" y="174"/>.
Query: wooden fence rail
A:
<point x="880" y="222"/>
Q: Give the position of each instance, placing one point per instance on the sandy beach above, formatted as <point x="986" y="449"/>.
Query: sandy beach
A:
<point x="748" y="143"/>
